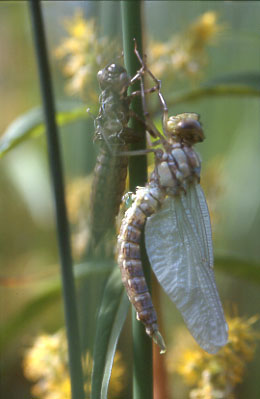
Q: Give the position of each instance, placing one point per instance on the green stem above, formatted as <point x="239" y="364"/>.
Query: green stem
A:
<point x="132" y="28"/>
<point x="213" y="91"/>
<point x="75" y="366"/>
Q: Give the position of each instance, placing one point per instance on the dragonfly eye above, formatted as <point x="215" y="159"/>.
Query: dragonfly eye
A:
<point x="186" y="127"/>
<point x="189" y="130"/>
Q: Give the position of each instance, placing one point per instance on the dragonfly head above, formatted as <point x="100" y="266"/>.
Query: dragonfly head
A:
<point x="113" y="77"/>
<point x="185" y="128"/>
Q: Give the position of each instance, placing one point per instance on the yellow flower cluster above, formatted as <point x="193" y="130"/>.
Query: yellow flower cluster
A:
<point x="215" y="376"/>
<point x="185" y="54"/>
<point x="46" y="364"/>
<point x="84" y="54"/>
<point x="77" y="200"/>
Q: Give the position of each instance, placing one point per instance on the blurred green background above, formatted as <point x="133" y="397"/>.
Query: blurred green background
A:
<point x="28" y="250"/>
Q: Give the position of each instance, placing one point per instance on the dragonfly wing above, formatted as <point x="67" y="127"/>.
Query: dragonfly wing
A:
<point x="179" y="253"/>
<point x="196" y="208"/>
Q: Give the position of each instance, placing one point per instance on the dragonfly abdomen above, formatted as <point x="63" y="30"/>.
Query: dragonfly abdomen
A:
<point x="129" y="259"/>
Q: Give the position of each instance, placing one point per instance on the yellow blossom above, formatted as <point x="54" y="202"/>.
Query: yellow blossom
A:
<point x="206" y="27"/>
<point x="117" y="381"/>
<point x="46" y="356"/>
<point x="184" y="55"/>
<point x="46" y="365"/>
<point x="84" y="53"/>
<point x="78" y="27"/>
<point x="159" y="49"/>
<point x="215" y="376"/>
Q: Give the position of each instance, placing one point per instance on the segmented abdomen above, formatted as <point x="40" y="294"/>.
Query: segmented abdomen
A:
<point x="147" y="201"/>
<point x="107" y="190"/>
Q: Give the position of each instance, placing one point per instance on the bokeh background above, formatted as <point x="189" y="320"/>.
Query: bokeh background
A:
<point x="230" y="154"/>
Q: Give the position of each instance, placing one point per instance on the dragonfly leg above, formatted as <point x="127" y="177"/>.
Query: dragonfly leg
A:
<point x="136" y="77"/>
<point x="148" y="119"/>
<point x="151" y="126"/>
<point x="156" y="142"/>
<point x="148" y="128"/>
<point x="134" y="153"/>
<point x="147" y="91"/>
<point x="158" y="86"/>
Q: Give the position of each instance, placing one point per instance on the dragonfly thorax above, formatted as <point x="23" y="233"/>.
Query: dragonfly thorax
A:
<point x="177" y="167"/>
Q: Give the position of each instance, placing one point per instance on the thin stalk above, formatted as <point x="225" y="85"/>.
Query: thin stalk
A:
<point x="69" y="295"/>
<point x="213" y="91"/>
<point x="142" y="350"/>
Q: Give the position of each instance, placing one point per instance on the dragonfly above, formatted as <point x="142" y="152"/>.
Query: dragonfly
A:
<point x="114" y="136"/>
<point x="173" y="211"/>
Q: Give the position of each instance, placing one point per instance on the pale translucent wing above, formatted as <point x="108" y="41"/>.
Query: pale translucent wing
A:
<point x="195" y="201"/>
<point x="176" y="253"/>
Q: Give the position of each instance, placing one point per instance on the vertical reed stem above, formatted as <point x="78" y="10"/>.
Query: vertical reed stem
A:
<point x="132" y="28"/>
<point x="71" y="319"/>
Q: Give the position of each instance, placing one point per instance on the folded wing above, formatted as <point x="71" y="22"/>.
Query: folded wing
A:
<point x="179" y="246"/>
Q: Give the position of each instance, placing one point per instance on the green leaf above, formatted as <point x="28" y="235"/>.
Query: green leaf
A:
<point x="241" y="84"/>
<point x="242" y="269"/>
<point x="31" y="124"/>
<point x="249" y="79"/>
<point x="47" y="297"/>
<point x="25" y="126"/>
<point x="110" y="321"/>
<point x="84" y="270"/>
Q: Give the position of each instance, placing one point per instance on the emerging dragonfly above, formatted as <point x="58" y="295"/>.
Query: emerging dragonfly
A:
<point x="113" y="134"/>
<point x="177" y="235"/>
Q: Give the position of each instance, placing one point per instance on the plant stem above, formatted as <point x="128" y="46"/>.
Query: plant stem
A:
<point x="131" y="23"/>
<point x="69" y="295"/>
<point x="132" y="28"/>
<point x="213" y="91"/>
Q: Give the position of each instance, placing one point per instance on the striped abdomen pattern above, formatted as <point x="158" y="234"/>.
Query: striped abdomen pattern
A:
<point x="146" y="202"/>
